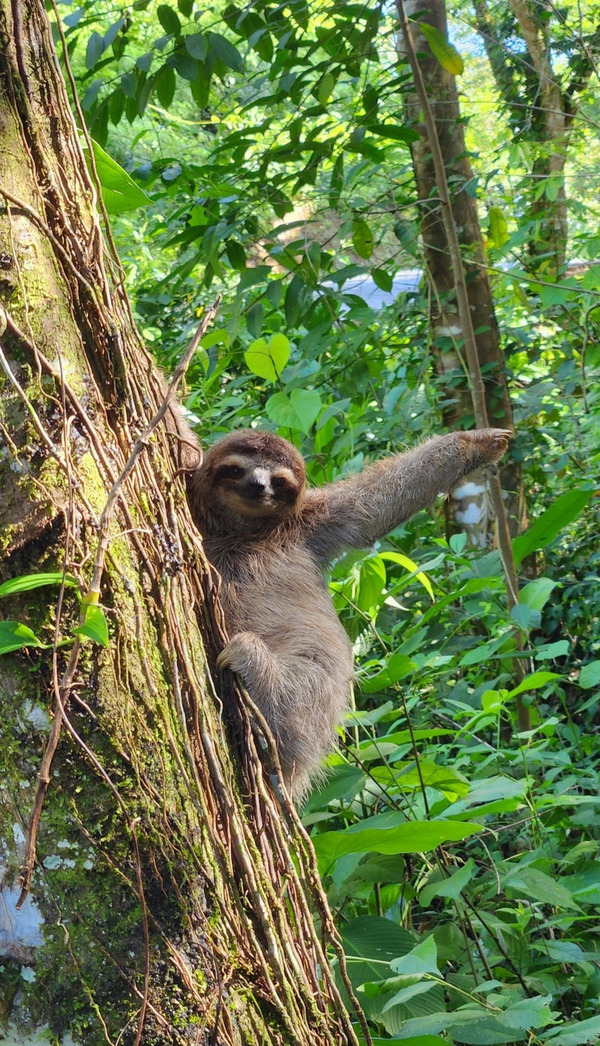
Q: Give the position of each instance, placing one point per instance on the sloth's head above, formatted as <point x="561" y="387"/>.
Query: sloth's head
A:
<point x="253" y="476"/>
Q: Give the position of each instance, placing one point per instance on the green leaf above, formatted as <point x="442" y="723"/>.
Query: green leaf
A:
<point x="589" y="675"/>
<point x="236" y="254"/>
<point x="562" y="511"/>
<point x="406" y="993"/>
<point x="197" y="45"/>
<point x="451" y="887"/>
<point x="537" y="593"/>
<point x="576" y="1033"/>
<point x="119" y="192"/>
<point x="362" y="238"/>
<point x="15" y="636"/>
<point x="535" y="681"/>
<point x="225" y="51"/>
<point x="498" y="227"/>
<point x="25" y="582"/>
<point x="371" y="582"/>
<point x="528" y="1013"/>
<point x="169" y="19"/>
<point x="94" y="625"/>
<point x="420" y="959"/>
<point x="164" y="84"/>
<point x="94" y="50"/>
<point x="268" y="360"/>
<point x="307" y="405"/>
<point x="297" y="411"/>
<point x="442" y="49"/>
<point x="325" y="88"/>
<point x="411" y="566"/>
<point x="539" y="886"/>
<point x="395" y="132"/>
<point x="383" y="834"/>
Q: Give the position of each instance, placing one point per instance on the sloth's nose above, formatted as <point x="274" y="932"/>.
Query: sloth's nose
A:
<point x="257" y="486"/>
<point x="259" y="482"/>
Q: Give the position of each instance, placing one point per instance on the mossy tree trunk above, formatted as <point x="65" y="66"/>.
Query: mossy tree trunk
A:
<point x="162" y="908"/>
<point x="468" y="507"/>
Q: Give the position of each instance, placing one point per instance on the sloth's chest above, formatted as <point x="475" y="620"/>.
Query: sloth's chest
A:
<point x="285" y="590"/>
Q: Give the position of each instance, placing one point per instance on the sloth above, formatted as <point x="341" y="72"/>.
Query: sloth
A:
<point x="271" y="539"/>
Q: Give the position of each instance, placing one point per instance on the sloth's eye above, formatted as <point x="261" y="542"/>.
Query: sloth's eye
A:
<point x="277" y="482"/>
<point x="235" y="471"/>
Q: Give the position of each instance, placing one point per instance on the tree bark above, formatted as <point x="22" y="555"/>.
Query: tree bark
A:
<point x="468" y="508"/>
<point x="163" y="908"/>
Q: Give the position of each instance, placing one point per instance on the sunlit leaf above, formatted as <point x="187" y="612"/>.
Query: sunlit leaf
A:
<point x="119" y="192"/>
<point x="442" y="49"/>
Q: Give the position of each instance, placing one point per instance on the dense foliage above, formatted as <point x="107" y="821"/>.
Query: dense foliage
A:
<point x="267" y="157"/>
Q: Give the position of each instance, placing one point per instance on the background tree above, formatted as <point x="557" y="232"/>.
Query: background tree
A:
<point x="542" y="58"/>
<point x="469" y="507"/>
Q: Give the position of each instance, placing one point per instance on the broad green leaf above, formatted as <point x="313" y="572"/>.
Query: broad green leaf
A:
<point x="362" y="238"/>
<point x="537" y="593"/>
<point x="164" y="85"/>
<point x="25" y="582"/>
<point x="297" y="411"/>
<point x="528" y="1013"/>
<point x="414" y="1040"/>
<point x="371" y="582"/>
<point x="548" y="651"/>
<point x="196" y="44"/>
<point x="94" y="50"/>
<point x="395" y="132"/>
<point x="562" y="511"/>
<point x="325" y="88"/>
<point x="119" y="192"/>
<point x="451" y="887"/>
<point x="169" y="19"/>
<point x="411" y="566"/>
<point x="267" y="360"/>
<point x="383" y="279"/>
<point x="280" y="410"/>
<point x="420" y="959"/>
<point x="540" y="887"/>
<point x="535" y="681"/>
<point x="307" y="404"/>
<point x="487" y="1031"/>
<point x="401" y="838"/>
<point x="589" y="675"/>
<point x="408" y="992"/>
<point x="14" y="636"/>
<point x="94" y="625"/>
<point x="442" y="49"/>
<point x="498" y="227"/>
<point x="576" y="1033"/>
<point x="236" y="254"/>
<point x="399" y="666"/>
<point x="225" y="51"/>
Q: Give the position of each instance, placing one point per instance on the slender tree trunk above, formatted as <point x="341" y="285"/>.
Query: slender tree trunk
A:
<point x="543" y="126"/>
<point x="468" y="508"/>
<point x="162" y="909"/>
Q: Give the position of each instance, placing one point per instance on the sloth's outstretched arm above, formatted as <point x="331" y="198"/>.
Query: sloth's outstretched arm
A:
<point x="355" y="512"/>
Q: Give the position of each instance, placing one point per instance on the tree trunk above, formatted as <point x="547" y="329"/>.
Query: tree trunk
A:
<point x="468" y="508"/>
<point x="162" y="910"/>
<point x="541" y="115"/>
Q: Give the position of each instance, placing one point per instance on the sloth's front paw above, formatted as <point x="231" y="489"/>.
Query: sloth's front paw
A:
<point x="240" y="652"/>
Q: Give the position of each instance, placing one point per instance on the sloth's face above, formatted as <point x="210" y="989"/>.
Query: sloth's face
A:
<point x="255" y="487"/>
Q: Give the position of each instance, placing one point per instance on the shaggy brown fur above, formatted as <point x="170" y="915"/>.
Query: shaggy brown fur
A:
<point x="271" y="538"/>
